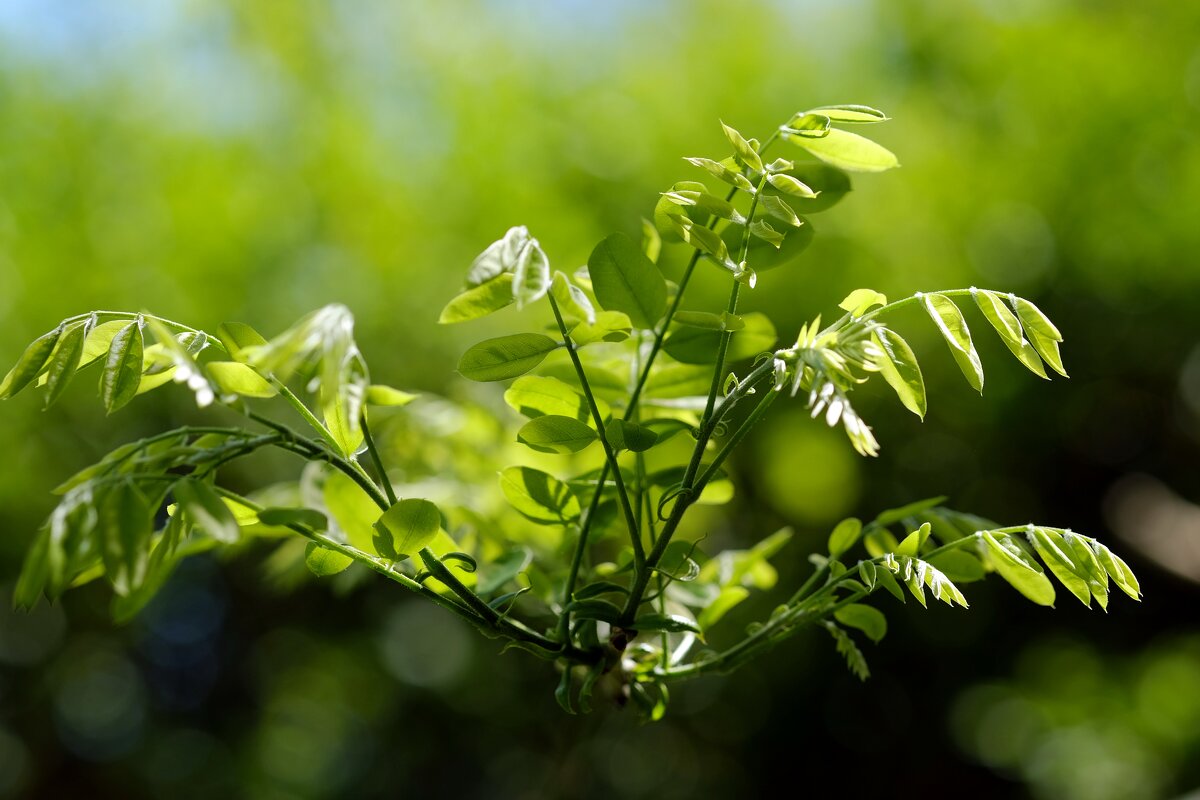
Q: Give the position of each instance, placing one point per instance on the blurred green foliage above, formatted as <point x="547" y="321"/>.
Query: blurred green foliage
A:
<point x="195" y="157"/>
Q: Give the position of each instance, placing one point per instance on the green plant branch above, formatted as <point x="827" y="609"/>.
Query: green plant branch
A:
<point x="377" y="461"/>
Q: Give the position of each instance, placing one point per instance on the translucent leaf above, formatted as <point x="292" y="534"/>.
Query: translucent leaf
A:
<point x="719" y="170"/>
<point x="709" y="321"/>
<point x="1015" y="566"/>
<point x="702" y="238"/>
<point x="623" y="435"/>
<point x="1007" y="325"/>
<point x="1118" y="570"/>
<point x="479" y="301"/>
<point x="505" y="356"/>
<point x="323" y="562"/>
<point x="235" y="378"/>
<point x="30" y="364"/>
<point x="99" y="341"/>
<point x="763" y="230"/>
<point x="867" y="619"/>
<point x="725" y="602"/>
<point x="1049" y="546"/>
<point x="911" y="545"/>
<point x="610" y="326"/>
<point x="1042" y="333"/>
<point x="406" y="527"/>
<point x="625" y="280"/>
<point x="381" y="395"/>
<point x="809" y="125"/>
<point x="573" y="303"/>
<point x="860" y="301"/>
<point x="851" y="113"/>
<point x="499" y="258"/>
<point x="556" y="434"/>
<point x="504" y="568"/>
<point x="651" y="241"/>
<point x="539" y="396"/>
<point x="205" y="509"/>
<point x="352" y="509"/>
<point x="744" y="151"/>
<point x="122" y="372"/>
<point x="236" y="337"/>
<point x="791" y="185"/>
<point x="828" y="183"/>
<point x="1088" y="565"/>
<point x="844" y="535"/>
<point x="671" y="623"/>
<point x="847" y="151"/>
<point x="898" y="365"/>
<point x="539" y="496"/>
<point x="950" y="323"/>
<point x="780" y="209"/>
<point x="893" y="515"/>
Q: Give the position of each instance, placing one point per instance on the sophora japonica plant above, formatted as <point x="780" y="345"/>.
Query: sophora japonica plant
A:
<point x="642" y="399"/>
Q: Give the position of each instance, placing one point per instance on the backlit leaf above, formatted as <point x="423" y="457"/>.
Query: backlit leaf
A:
<point x="406" y="527"/>
<point x="505" y="356"/>
<point x="625" y="280"/>
<point x="539" y="496"/>
<point x="554" y="433"/>
<point x="122" y="372"/>
<point x="847" y="151"/>
<point x="950" y="323"/>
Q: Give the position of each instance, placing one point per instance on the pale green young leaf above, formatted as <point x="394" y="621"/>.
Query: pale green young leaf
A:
<point x="851" y="113"/>
<point x="651" y="240"/>
<point x="847" y="151"/>
<point x="610" y="326"/>
<point x="380" y="395"/>
<point x="1118" y="570"/>
<point x="1007" y="325"/>
<point x="959" y="566"/>
<point x="205" y="509"/>
<point x="779" y="208"/>
<point x="122" y="372"/>
<point x="479" y="301"/>
<point x="624" y="279"/>
<point x="352" y="509"/>
<point x="845" y="534"/>
<point x="499" y="258"/>
<point x="724" y="602"/>
<point x="237" y="336"/>
<point x="573" y="303"/>
<point x="539" y="496"/>
<point x="505" y="356"/>
<point x="719" y="170"/>
<point x="531" y="274"/>
<point x="238" y="379"/>
<point x="809" y="125"/>
<point x="1014" y="565"/>
<point x="953" y="327"/>
<point x="323" y="562"/>
<point x="898" y="366"/>
<point x="702" y="238"/>
<point x="860" y="301"/>
<point x="867" y="619"/>
<point x="743" y="150"/>
<point x="1049" y="546"/>
<point x="99" y="341"/>
<point x="31" y="363"/>
<point x="1089" y="567"/>
<point x="556" y="434"/>
<point x="406" y="527"/>
<point x="1042" y="333"/>
<point x="791" y="185"/>
<point x="763" y="230"/>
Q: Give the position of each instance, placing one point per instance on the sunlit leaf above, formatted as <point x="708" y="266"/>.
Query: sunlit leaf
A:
<point x="539" y="496"/>
<point x="30" y="364"/>
<point x="406" y="527"/>
<point x="479" y="301"/>
<point x="867" y="619"/>
<point x="323" y="562"/>
<point x="122" y="372"/>
<point x="556" y="434"/>
<point x="505" y="356"/>
<point x="625" y="280"/>
<point x="950" y="323"/>
<point x="847" y="151"/>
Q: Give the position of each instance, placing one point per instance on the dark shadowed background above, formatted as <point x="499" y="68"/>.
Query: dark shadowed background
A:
<point x="249" y="160"/>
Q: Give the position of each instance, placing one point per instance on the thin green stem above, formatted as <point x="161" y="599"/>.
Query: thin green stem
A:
<point x="635" y="537"/>
<point x="377" y="461"/>
<point x="733" y="441"/>
<point x="914" y="299"/>
<point x="301" y="409"/>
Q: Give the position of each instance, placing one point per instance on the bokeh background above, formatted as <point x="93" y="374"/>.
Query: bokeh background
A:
<point x="254" y="160"/>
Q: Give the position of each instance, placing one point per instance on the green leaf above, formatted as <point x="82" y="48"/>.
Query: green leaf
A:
<point x="381" y="395"/>
<point x="505" y="356"/>
<point x="407" y="527"/>
<point x="305" y="517"/>
<point x="959" y="566"/>
<point x="763" y="255"/>
<point x="716" y="168"/>
<point x="625" y="280"/>
<point x="499" y="258"/>
<point x="849" y="650"/>
<point x="677" y="561"/>
<point x="867" y="619"/>
<point x="531" y="274"/>
<point x="623" y="435"/>
<point x="323" y="562"/>
<point x="1007" y="325"/>
<point x="860" y="301"/>
<point x="1118" y="570"/>
<point x="122" y="368"/>
<point x="573" y="303"/>
<point x="744" y="151"/>
<point x="1015" y="566"/>
<point x="506" y="567"/>
<point x="888" y="581"/>
<point x="763" y="230"/>
<point x="1042" y="333"/>
<point x="671" y="623"/>
<point x="125" y="527"/>
<point x="235" y="378"/>
<point x="851" y="113"/>
<point x="847" y="151"/>
<point x="29" y="366"/>
<point x="651" y="240"/>
<point x="1050" y="546"/>
<point x="950" y="323"/>
<point x="352" y="509"/>
<point x="1088" y="566"/>
<point x="703" y="238"/>
<point x="554" y="433"/>
<point x="898" y="366"/>
<point x="828" y="183"/>
<point x="479" y="301"/>
<point x="539" y="396"/>
<point x="809" y="125"/>
<point x="725" y="602"/>
<point x="237" y="336"/>
<point x="791" y="185"/>
<point x="610" y="326"/>
<point x="343" y="392"/>
<point x="539" y="496"/>
<point x="594" y="608"/>
<point x="779" y="208"/>
<point x="206" y="510"/>
<point x="844" y="535"/>
<point x="911" y="546"/>
<point x="699" y="346"/>
<point x="64" y="361"/>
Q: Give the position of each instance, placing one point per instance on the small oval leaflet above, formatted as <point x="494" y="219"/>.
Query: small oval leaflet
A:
<point x="407" y="527"/>
<point x="505" y="356"/>
<point x="556" y="434"/>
